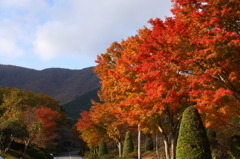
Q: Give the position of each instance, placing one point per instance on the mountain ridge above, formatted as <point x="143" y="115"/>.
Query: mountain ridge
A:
<point x="62" y="84"/>
<point x="81" y="103"/>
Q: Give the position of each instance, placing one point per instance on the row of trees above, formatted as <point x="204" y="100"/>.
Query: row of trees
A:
<point x="29" y="118"/>
<point x="148" y="80"/>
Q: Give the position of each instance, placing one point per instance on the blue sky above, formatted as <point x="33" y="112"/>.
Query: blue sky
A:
<point x="69" y="34"/>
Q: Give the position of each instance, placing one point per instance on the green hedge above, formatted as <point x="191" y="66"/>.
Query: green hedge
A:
<point x="192" y="141"/>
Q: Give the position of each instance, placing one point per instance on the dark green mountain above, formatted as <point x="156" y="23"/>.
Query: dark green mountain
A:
<point x="81" y="103"/>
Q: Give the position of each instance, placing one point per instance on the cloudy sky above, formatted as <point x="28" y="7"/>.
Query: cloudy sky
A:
<point x="70" y="34"/>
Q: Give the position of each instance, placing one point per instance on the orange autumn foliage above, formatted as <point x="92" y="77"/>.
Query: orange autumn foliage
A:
<point x="90" y="132"/>
<point x="189" y="59"/>
<point x="41" y="126"/>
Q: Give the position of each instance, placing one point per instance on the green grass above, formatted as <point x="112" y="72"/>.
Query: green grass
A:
<point x="12" y="154"/>
<point x="15" y="154"/>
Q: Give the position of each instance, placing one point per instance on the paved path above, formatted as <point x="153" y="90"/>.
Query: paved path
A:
<point x="69" y="155"/>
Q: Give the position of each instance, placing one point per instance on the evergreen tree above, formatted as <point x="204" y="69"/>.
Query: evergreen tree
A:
<point x="5" y="137"/>
<point x="235" y="147"/>
<point x="15" y="130"/>
<point x="214" y="144"/>
<point x="128" y="146"/>
<point x="192" y="141"/>
<point x="103" y="149"/>
<point x="149" y="144"/>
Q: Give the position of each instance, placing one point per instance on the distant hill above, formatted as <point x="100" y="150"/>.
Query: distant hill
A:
<point x="63" y="85"/>
<point x="81" y="103"/>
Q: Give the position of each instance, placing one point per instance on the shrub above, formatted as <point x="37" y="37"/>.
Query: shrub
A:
<point x="103" y="149"/>
<point x="36" y="153"/>
<point x="192" y="141"/>
<point x="216" y="154"/>
<point x="114" y="151"/>
<point x="149" y="144"/>
<point x="5" y="134"/>
<point x="133" y="155"/>
<point x="117" y="157"/>
<point x="211" y="134"/>
<point x="86" y="153"/>
<point x="108" y="156"/>
<point x="235" y="146"/>
<point x="214" y="144"/>
<point x="17" y="146"/>
<point x="128" y="146"/>
<point x="90" y="155"/>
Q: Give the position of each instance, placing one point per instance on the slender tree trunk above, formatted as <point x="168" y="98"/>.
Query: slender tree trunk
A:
<point x="10" y="143"/>
<point x="166" y="142"/>
<point x="173" y="146"/>
<point x="166" y="145"/>
<point x="25" y="149"/>
<point x="157" y="146"/>
<point x="173" y="138"/>
<point x="120" y="149"/>
<point x="139" y="143"/>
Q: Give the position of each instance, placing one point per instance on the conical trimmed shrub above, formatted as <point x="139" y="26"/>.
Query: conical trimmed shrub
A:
<point x="192" y="141"/>
<point x="128" y="146"/>
<point x="103" y="149"/>
<point x="149" y="144"/>
<point x="235" y="147"/>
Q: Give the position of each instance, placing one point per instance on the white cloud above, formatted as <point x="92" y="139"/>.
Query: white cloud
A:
<point x="89" y="26"/>
<point x="75" y="28"/>
<point x="8" y="47"/>
<point x="9" y="33"/>
<point x="56" y="38"/>
<point x="17" y="3"/>
<point x="18" y="19"/>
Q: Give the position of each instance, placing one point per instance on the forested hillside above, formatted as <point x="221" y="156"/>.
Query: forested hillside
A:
<point x="63" y="85"/>
<point x="81" y="103"/>
<point x="31" y="124"/>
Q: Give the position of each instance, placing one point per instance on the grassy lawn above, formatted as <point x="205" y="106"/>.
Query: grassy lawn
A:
<point x="12" y="154"/>
<point x="152" y="154"/>
<point x="149" y="155"/>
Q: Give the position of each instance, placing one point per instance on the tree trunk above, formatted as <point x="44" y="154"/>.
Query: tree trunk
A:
<point x="166" y="142"/>
<point x="25" y="149"/>
<point x="166" y="146"/>
<point x="120" y="149"/>
<point x="139" y="143"/>
<point x="157" y="146"/>
<point x="173" y="146"/>
<point x="173" y="138"/>
<point x="10" y="143"/>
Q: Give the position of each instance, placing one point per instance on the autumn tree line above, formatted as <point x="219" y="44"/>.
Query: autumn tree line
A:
<point x="30" y="119"/>
<point x="149" y="79"/>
